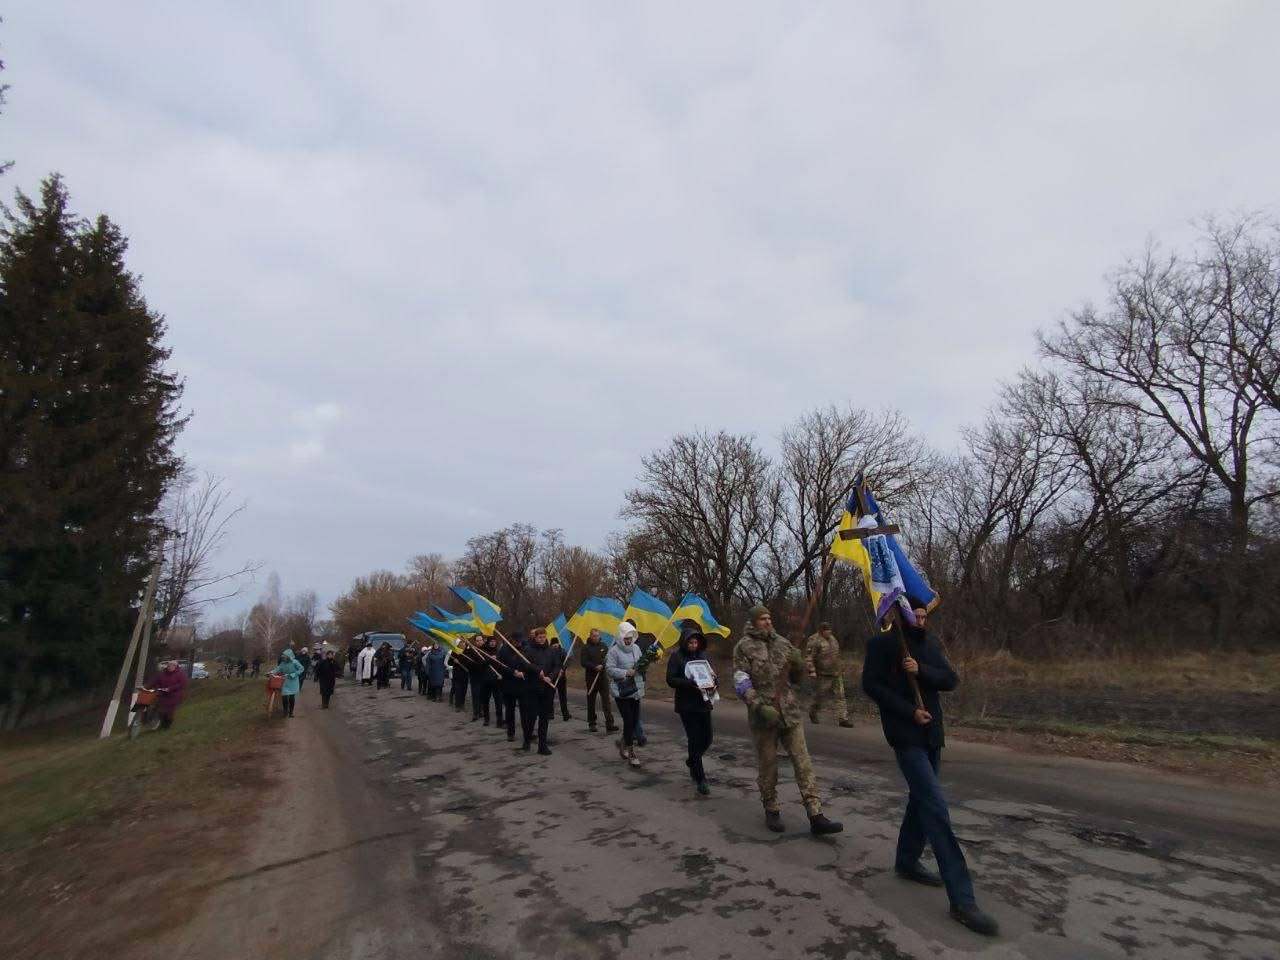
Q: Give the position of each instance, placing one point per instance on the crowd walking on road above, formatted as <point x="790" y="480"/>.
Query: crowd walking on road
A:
<point x="516" y="684"/>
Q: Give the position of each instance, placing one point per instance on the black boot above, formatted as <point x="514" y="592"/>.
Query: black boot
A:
<point x="846" y="723"/>
<point x="820" y="826"/>
<point x="773" y="820"/>
<point x="703" y="789"/>
<point x="525" y="746"/>
<point x="916" y="873"/>
<point x="544" y="750"/>
<point x="975" y="920"/>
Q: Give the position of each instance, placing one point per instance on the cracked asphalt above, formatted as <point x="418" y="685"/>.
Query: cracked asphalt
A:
<point x="402" y="829"/>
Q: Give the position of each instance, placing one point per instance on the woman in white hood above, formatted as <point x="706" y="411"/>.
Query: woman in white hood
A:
<point x="627" y="687"/>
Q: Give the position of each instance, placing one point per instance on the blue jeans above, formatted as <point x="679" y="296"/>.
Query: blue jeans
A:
<point x="927" y="818"/>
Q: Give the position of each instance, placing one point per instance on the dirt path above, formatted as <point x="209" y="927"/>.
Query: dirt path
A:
<point x="405" y="830"/>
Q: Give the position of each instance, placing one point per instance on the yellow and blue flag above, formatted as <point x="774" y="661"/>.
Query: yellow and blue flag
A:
<point x="599" y="613"/>
<point x="854" y="550"/>
<point x="455" y="628"/>
<point x="558" y="629"/>
<point x="436" y="634"/>
<point x="691" y="607"/>
<point x="648" y="613"/>
<point x="487" y="613"/>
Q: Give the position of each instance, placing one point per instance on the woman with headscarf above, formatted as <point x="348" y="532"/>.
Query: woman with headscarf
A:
<point x="626" y="684"/>
<point x="695" y="696"/>
<point x="291" y="670"/>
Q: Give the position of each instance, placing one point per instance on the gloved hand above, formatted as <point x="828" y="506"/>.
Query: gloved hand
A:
<point x="766" y="716"/>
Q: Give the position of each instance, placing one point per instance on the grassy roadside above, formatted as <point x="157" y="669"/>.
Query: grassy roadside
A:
<point x="1214" y="715"/>
<point x="99" y="827"/>
<point x="59" y="773"/>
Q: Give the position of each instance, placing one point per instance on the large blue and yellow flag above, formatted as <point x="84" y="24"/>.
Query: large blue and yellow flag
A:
<point x="436" y="634"/>
<point x="648" y="613"/>
<point x="558" y="629"/>
<point x="457" y="627"/>
<point x="487" y="613"/>
<point x="865" y="513"/>
<point x="691" y="607"/>
<point x="599" y="613"/>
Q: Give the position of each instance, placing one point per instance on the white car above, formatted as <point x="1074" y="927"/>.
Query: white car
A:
<point x="198" y="672"/>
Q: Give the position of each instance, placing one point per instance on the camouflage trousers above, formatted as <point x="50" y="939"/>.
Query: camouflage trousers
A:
<point x="766" y="741"/>
<point x="830" y="690"/>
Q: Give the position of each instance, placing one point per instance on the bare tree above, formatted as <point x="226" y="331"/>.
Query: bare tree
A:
<point x="265" y="623"/>
<point x="1190" y="343"/>
<point x="197" y="514"/>
<point x="707" y="504"/>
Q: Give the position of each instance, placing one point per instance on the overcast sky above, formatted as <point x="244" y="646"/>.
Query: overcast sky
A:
<point x="432" y="269"/>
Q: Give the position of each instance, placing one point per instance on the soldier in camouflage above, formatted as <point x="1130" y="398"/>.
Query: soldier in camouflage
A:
<point x="766" y="668"/>
<point x="822" y="657"/>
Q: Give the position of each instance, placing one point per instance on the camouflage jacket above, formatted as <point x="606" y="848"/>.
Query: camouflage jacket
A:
<point x="774" y="668"/>
<point x="823" y="654"/>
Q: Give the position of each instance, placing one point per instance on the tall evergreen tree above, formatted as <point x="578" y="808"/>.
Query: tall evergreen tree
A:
<point x="88" y="419"/>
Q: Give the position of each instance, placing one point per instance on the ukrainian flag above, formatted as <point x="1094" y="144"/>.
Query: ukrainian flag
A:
<point x="454" y="627"/>
<point x="855" y="550"/>
<point x="600" y="613"/>
<point x="487" y="613"/>
<point x="691" y="607"/>
<point x="648" y="613"/>
<point x="558" y="629"/>
<point x="435" y="634"/>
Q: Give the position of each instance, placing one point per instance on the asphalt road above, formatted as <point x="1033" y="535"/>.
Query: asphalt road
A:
<point x="404" y="830"/>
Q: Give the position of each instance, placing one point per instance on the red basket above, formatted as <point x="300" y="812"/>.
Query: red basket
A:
<point x="275" y="682"/>
<point x="145" y="698"/>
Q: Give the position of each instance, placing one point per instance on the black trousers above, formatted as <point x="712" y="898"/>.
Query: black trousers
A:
<point x="287" y="701"/>
<point x="601" y="693"/>
<point x="481" y="693"/>
<point x="458" y="690"/>
<point x="422" y="682"/>
<point x="406" y="679"/>
<point x="536" y="708"/>
<point x="697" y="729"/>
<point x="629" y="709"/>
<point x="433" y="693"/>
<point x="509" y="701"/>
<point x="562" y="688"/>
<point x="326" y="692"/>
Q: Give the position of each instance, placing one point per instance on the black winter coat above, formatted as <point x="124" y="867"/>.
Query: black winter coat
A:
<point x="510" y="662"/>
<point x="885" y="682"/>
<point x="326" y="673"/>
<point x="689" y="698"/>
<point x="548" y="659"/>
<point x="593" y="655"/>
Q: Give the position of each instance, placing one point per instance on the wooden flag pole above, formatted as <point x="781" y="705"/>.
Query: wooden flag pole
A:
<point x="519" y="653"/>
<point x="144" y="612"/>
<point x="816" y="593"/>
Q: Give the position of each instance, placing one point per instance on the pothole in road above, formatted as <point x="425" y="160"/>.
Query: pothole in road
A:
<point x="728" y="757"/>
<point x="1116" y="839"/>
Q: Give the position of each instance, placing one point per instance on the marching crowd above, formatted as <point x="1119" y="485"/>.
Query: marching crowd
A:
<point x="904" y="672"/>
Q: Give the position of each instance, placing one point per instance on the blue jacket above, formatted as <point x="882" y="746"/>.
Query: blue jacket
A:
<point x="292" y="672"/>
<point x="435" y="667"/>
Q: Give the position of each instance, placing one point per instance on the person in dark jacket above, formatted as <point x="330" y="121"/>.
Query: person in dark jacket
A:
<point x="436" y="661"/>
<point x="327" y="671"/>
<point x="404" y="664"/>
<point x="546" y="663"/>
<point x="916" y="735"/>
<point x="478" y="673"/>
<point x="597" y="681"/>
<point x="382" y="665"/>
<point x="304" y="658"/>
<point x="562" y="685"/>
<point x="460" y="678"/>
<point x="693" y="700"/>
<point x="512" y="667"/>
<point x="487" y="685"/>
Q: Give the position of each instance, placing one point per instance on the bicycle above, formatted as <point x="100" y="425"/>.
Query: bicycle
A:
<point x="144" y="715"/>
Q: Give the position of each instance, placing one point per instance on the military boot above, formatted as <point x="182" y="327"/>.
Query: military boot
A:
<point x="773" y="820"/>
<point x="820" y="826"/>
<point x="846" y="722"/>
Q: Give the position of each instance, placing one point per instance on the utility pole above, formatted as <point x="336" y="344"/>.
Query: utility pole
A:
<point x="144" y="619"/>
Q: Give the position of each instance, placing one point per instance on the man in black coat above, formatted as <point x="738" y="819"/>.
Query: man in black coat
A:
<point x="327" y="671"/>
<point x="593" y="653"/>
<point x="541" y="675"/>
<point x="916" y="735"/>
<point x="512" y="667"/>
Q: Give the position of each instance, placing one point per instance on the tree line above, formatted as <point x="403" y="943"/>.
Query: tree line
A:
<point x="1120" y="494"/>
